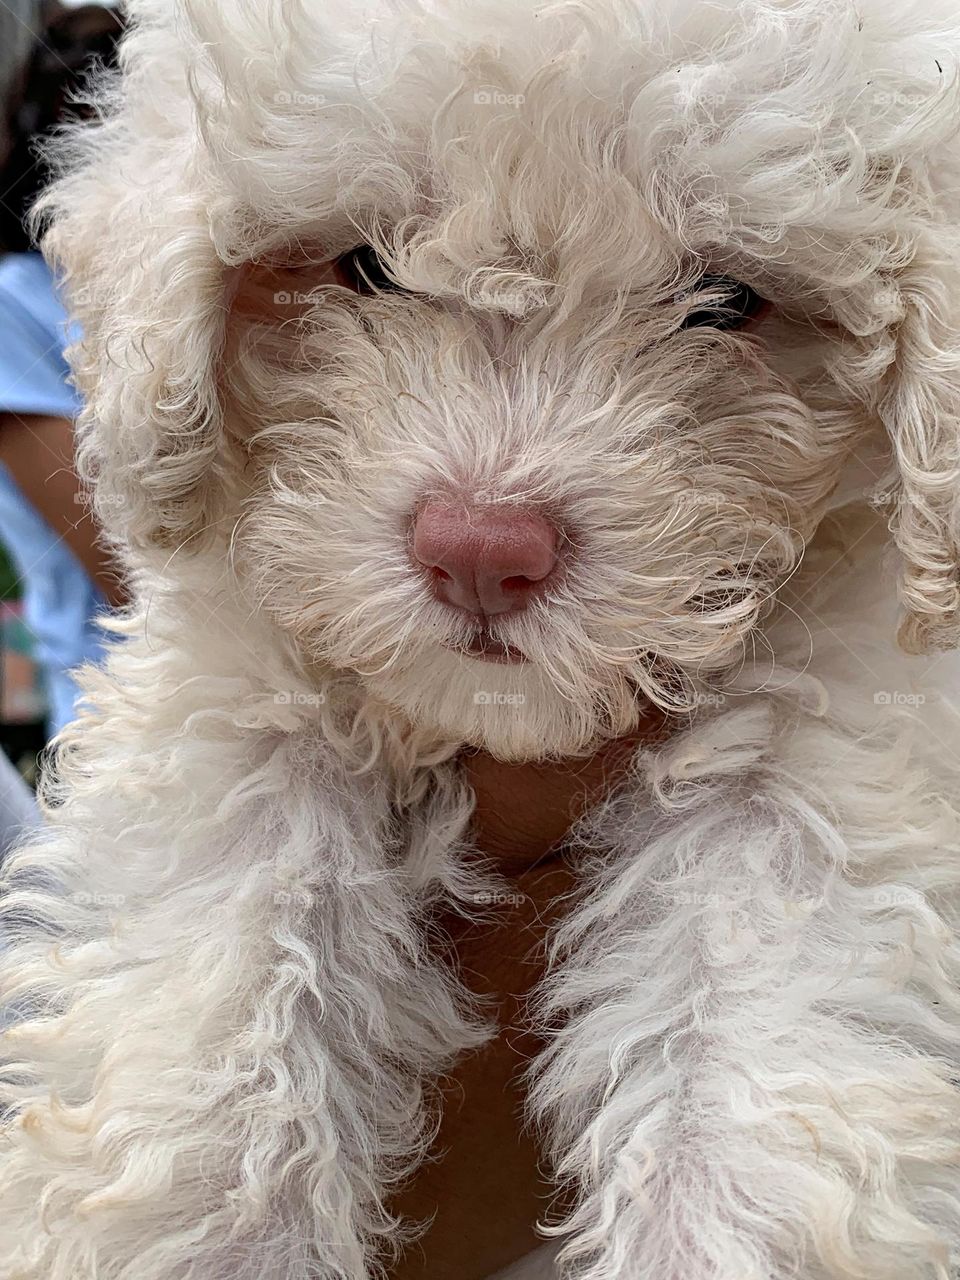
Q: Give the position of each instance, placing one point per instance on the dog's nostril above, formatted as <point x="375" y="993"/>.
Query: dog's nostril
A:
<point x="485" y="560"/>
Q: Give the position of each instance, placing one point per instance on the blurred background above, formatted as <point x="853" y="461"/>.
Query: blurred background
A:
<point x="56" y="578"/>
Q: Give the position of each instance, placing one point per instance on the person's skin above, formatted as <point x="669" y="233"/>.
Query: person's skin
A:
<point x="38" y="452"/>
<point x="485" y="1188"/>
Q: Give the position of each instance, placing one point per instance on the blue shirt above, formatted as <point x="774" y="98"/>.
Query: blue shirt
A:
<point x="59" y="599"/>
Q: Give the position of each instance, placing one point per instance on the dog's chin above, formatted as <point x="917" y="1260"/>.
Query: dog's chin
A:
<point x="497" y="703"/>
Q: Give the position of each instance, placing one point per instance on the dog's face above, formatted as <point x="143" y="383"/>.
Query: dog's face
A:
<point x="519" y="351"/>
<point x="518" y="527"/>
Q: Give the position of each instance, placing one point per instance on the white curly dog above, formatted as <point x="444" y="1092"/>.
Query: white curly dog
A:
<point x="485" y="374"/>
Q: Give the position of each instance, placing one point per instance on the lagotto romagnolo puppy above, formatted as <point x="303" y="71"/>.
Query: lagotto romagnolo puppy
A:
<point x="619" y="342"/>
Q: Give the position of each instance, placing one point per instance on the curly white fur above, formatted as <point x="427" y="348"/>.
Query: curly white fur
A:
<point x="229" y="1017"/>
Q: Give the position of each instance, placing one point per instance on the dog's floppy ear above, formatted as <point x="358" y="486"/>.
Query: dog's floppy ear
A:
<point x="919" y="405"/>
<point x="128" y="227"/>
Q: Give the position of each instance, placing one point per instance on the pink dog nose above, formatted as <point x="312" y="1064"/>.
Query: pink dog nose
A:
<point x="486" y="560"/>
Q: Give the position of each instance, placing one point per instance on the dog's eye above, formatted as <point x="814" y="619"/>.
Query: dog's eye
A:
<point x="729" y="303"/>
<point x="363" y="271"/>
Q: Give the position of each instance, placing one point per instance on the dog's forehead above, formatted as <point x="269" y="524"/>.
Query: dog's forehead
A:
<point x="709" y="118"/>
<point x="379" y="51"/>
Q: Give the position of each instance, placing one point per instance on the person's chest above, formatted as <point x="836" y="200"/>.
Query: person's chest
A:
<point x="484" y="1186"/>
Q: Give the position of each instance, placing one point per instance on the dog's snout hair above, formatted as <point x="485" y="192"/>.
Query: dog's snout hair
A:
<point x="685" y="475"/>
